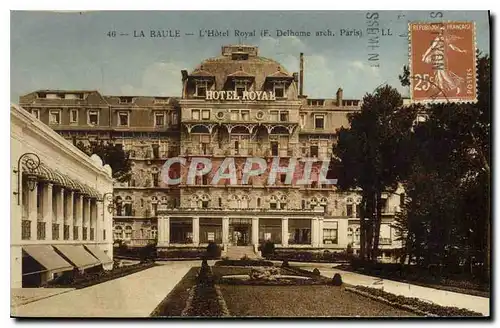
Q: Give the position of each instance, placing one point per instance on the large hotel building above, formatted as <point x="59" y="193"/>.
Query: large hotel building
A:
<point x="262" y="113"/>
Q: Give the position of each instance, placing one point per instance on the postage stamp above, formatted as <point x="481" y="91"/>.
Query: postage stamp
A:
<point x="443" y="62"/>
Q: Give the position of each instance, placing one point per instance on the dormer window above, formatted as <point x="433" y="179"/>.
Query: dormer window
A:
<point x="123" y="119"/>
<point x="201" y="89"/>
<point x="240" y="87"/>
<point x="93" y="117"/>
<point x="126" y="100"/>
<point x="279" y="90"/>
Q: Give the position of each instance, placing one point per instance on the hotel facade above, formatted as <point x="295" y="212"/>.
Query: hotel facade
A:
<point x="236" y="105"/>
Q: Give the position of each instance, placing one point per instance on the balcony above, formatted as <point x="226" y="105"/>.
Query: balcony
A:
<point x="26" y="230"/>
<point x="40" y="230"/>
<point x="55" y="231"/>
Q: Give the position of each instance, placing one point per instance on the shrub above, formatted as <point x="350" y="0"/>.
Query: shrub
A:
<point x="147" y="252"/>
<point x="285" y="264"/>
<point x="267" y="248"/>
<point x="316" y="272"/>
<point x="337" y="280"/>
<point x="349" y="249"/>
<point x="213" y="250"/>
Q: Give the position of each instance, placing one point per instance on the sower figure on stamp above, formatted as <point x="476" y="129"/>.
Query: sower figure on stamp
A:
<point x="444" y="79"/>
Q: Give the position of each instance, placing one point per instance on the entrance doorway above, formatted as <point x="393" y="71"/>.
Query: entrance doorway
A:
<point x="240" y="232"/>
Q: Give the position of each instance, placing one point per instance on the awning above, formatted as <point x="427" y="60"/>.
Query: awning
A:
<point x="45" y="173"/>
<point x="48" y="258"/>
<point x="99" y="253"/>
<point x="77" y="255"/>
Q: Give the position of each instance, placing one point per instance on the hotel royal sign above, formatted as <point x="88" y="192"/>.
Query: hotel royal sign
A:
<point x="246" y="95"/>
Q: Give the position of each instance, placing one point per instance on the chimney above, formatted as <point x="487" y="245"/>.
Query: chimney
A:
<point x="301" y="77"/>
<point x="340" y="96"/>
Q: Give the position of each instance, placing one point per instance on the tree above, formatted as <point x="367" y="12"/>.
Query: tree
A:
<point x="372" y="155"/>
<point x="449" y="182"/>
<point x="112" y="154"/>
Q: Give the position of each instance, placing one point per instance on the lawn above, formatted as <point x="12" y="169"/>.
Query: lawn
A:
<point x="303" y="301"/>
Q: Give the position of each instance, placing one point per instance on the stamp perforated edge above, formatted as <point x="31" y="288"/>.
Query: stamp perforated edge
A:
<point x="410" y="67"/>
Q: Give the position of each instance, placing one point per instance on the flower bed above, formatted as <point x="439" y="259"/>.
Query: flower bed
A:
<point x="258" y="263"/>
<point x="93" y="278"/>
<point x="308" y="256"/>
<point x="418" y="305"/>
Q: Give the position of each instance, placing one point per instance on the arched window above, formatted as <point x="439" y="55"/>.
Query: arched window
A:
<point x="154" y="232"/>
<point x="128" y="232"/>
<point x="154" y="205"/>
<point x="283" y="202"/>
<point x="273" y="202"/>
<point x="205" y="201"/>
<point x="118" y="233"/>
<point x="128" y="206"/>
<point x="313" y="202"/>
<point x="118" y="202"/>
<point x="244" y="201"/>
<point x="349" y="234"/>
<point x="323" y="203"/>
<point x="356" y="235"/>
<point x="235" y="201"/>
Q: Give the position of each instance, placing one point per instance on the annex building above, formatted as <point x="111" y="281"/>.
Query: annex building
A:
<point x="238" y="105"/>
<point x="60" y="218"/>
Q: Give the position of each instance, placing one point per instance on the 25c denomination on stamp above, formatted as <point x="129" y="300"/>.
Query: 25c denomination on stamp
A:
<point x="442" y="62"/>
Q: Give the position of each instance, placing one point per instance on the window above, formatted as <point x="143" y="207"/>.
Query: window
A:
<point x="66" y="232"/>
<point x="273" y="115"/>
<point x="154" y="232"/>
<point x="118" y="233"/>
<point x="283" y="116"/>
<point x="302" y="120"/>
<point x="384" y="205"/>
<point x="274" y="148"/>
<point x="314" y="151"/>
<point x="123" y="119"/>
<point x="104" y="234"/>
<point x="201" y="89"/>
<point x="73" y="116"/>
<point x="319" y="121"/>
<point x="273" y="204"/>
<point x="126" y="100"/>
<point x="159" y="119"/>
<point x="258" y="202"/>
<point x="36" y="113"/>
<point x="330" y="236"/>
<point x="55" y="117"/>
<point x="279" y="90"/>
<point x="128" y="232"/>
<point x="240" y="88"/>
<point x="349" y="208"/>
<point x="205" y="114"/>
<point x="245" y="115"/>
<point x="234" y="115"/>
<point x="75" y="233"/>
<point x="220" y="202"/>
<point x="195" y="114"/>
<point x="40" y="230"/>
<point x="279" y="116"/>
<point x="93" y="117"/>
<point x="174" y="118"/>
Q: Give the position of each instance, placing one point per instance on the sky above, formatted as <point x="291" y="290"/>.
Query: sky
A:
<point x="75" y="50"/>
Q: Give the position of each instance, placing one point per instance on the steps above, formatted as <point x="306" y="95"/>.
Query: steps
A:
<point x="237" y="252"/>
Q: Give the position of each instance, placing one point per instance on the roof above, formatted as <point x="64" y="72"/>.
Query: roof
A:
<point x="224" y="66"/>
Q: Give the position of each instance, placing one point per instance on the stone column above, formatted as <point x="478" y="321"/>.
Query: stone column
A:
<point x="255" y="231"/>
<point x="93" y="219"/>
<point x="68" y="216"/>
<point x="284" y="232"/>
<point x="98" y="222"/>
<point x="33" y="210"/>
<point x="196" y="230"/>
<point x="320" y="232"/>
<point x="60" y="211"/>
<point x="159" y="225"/>
<point x="86" y="217"/>
<point x="78" y="220"/>
<point x="47" y="210"/>
<point x="225" y="230"/>
<point x="315" y="232"/>
<point x="166" y="231"/>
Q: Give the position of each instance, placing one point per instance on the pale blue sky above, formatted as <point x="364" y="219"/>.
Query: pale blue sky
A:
<point x="72" y="50"/>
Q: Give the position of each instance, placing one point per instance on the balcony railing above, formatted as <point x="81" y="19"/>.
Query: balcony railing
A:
<point x="26" y="229"/>
<point x="66" y="232"/>
<point x="40" y="230"/>
<point x="55" y="231"/>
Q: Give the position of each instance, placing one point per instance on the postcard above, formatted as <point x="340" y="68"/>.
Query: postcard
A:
<point x="223" y="164"/>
